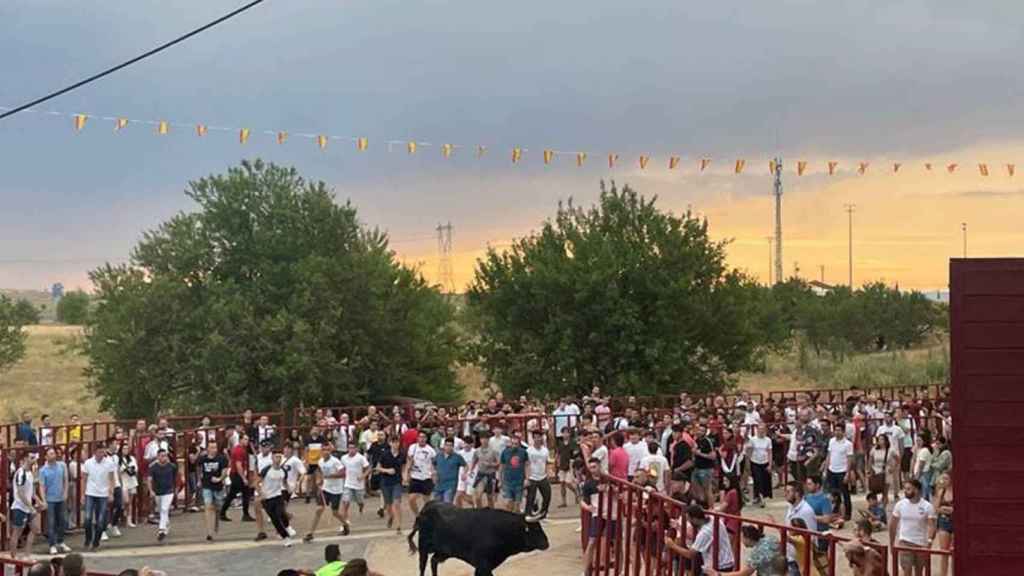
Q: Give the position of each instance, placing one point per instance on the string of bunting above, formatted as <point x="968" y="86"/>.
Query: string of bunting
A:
<point x="362" y="143"/>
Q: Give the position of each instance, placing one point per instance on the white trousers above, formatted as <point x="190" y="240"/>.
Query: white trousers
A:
<point x="164" y="504"/>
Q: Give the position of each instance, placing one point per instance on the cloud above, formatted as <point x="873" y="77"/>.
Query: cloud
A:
<point x="990" y="193"/>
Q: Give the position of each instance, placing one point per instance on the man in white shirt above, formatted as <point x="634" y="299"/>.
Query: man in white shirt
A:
<point x="419" y="471"/>
<point x="498" y="440"/>
<point x="701" y="552"/>
<point x="537" y="475"/>
<point x="657" y="466"/>
<point x="636" y="451"/>
<point x="271" y="484"/>
<point x="296" y="470"/>
<point x="345" y="434"/>
<point x="840" y="467"/>
<point x="357" y="469"/>
<point x="332" y="486"/>
<point x="912" y="526"/>
<point x="98" y="478"/>
<point x="798" y="508"/>
<point x="23" y="509"/>
<point x="600" y="451"/>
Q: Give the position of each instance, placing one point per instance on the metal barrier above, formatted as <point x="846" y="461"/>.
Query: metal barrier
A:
<point x="633" y="523"/>
<point x="932" y="392"/>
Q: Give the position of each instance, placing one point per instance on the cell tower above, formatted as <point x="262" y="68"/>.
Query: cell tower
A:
<point x="445" y="276"/>
<point x="778" y="220"/>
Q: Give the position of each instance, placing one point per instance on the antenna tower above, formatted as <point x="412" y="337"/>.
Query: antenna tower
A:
<point x="778" y="219"/>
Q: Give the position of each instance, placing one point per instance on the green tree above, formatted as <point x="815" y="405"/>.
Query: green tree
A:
<point x="26" y="312"/>
<point x="621" y="295"/>
<point x="12" y="337"/>
<point x="73" y="308"/>
<point x="270" y="295"/>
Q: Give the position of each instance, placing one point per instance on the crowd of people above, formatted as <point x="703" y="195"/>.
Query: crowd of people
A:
<point x="713" y="453"/>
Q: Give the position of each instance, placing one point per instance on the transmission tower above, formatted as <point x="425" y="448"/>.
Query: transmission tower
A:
<point x="445" y="276"/>
<point x="778" y="219"/>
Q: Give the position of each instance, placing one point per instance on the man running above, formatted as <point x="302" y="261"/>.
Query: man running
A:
<point x="332" y="486"/>
<point x="239" y="480"/>
<point x="357" y="470"/>
<point x="513" y="472"/>
<point x="213" y="469"/>
<point x="161" y="483"/>
<point x="447" y="466"/>
<point x="537" y="475"/>
<point x="271" y="483"/>
<point x="419" y="472"/>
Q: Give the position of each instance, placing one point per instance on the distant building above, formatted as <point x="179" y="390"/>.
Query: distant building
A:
<point x="819" y="288"/>
<point x="57" y="291"/>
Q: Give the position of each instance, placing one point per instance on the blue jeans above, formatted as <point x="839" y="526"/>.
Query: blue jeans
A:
<point x="446" y="494"/>
<point x="95" y="520"/>
<point x="926" y="485"/>
<point x="56" y="523"/>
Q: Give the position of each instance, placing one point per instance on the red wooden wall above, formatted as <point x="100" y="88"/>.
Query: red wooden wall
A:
<point x="987" y="355"/>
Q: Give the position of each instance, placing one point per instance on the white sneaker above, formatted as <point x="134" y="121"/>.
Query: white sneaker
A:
<point x="131" y="524"/>
<point x="104" y="537"/>
<point x="65" y="548"/>
<point x="288" y="542"/>
<point x="53" y="550"/>
<point x="291" y="531"/>
<point x="115" y="531"/>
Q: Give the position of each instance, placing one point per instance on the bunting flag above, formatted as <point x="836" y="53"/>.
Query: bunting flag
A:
<point x="801" y="166"/>
<point x="516" y="155"/>
<point x="643" y="161"/>
<point x="321" y="141"/>
<point x="951" y="168"/>
<point x="673" y="162"/>
<point x="200" y="130"/>
<point x="581" y="157"/>
<point x="612" y="158"/>
<point x="446" y="150"/>
<point x="928" y="166"/>
<point x="243" y="135"/>
<point x="120" y="123"/>
<point x="480" y="151"/>
<point x="548" y="155"/>
<point x="282" y="137"/>
<point x="80" y="121"/>
<point x="1010" y="169"/>
<point x="983" y="169"/>
<point x="832" y="167"/>
<point x="772" y="167"/>
<point x="704" y="162"/>
<point x="411" y="147"/>
<point x="738" y="169"/>
<point x="162" y="128"/>
<point x="863" y="167"/>
<point x="896" y="167"/>
<point x="361" y="144"/>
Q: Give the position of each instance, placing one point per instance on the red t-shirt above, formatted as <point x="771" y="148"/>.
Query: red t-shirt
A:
<point x="239" y="454"/>
<point x="618" y="463"/>
<point x="140" y="453"/>
<point x="409" y="437"/>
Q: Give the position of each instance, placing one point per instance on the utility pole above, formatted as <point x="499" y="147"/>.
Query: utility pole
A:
<point x="849" y="211"/>
<point x="963" y="227"/>
<point x="770" y="282"/>
<point x="445" y="277"/>
<point x="778" y="219"/>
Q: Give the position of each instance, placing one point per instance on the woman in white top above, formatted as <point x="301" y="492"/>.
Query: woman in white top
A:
<point x="759" y="451"/>
<point x="921" y="467"/>
<point x="129" y="478"/>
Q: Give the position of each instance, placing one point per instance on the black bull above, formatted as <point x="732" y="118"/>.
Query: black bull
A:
<point x="483" y="538"/>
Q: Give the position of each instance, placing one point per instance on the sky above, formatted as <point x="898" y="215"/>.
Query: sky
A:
<point x="905" y="81"/>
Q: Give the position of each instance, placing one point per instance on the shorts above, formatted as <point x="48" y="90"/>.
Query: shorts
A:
<point x="353" y="495"/>
<point x="488" y="480"/>
<point x="20" y="518"/>
<point x="910" y="560"/>
<point x="944" y="523"/>
<point x="597" y="526"/>
<point x="566" y="476"/>
<point x="466" y="484"/>
<point x="858" y="460"/>
<point x="512" y="493"/>
<point x="328" y="499"/>
<point x="421" y="487"/>
<point x="702" y="476"/>
<point x="391" y="493"/>
<point x="445" y="495"/>
<point x="213" y="496"/>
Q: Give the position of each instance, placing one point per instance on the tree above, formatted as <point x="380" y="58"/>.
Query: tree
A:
<point x="73" y="308"/>
<point x="26" y="312"/>
<point x="12" y="337"/>
<point x="621" y="295"/>
<point x="270" y="295"/>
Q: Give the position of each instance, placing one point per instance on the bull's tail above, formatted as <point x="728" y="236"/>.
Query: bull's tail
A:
<point x="412" y="534"/>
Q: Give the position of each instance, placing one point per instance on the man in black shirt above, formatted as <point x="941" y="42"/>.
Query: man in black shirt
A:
<point x="161" y="483"/>
<point x="682" y="461"/>
<point x="567" y="452"/>
<point x="389" y="467"/>
<point x="213" y="469"/>
<point x="704" y="464"/>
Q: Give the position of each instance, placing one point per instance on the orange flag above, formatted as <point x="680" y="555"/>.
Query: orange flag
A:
<point x="739" y="166"/>
<point x="361" y="144"/>
<point x="832" y="167"/>
<point x="321" y="141"/>
<point x="928" y="166"/>
<point x="282" y="137"/>
<point x="548" y="155"/>
<point x="896" y="167"/>
<point x="704" y="163"/>
<point x="200" y="130"/>
<point x="162" y="127"/>
<point x="121" y="123"/>
<point x="243" y="135"/>
<point x="80" y="121"/>
<point x="951" y="168"/>
<point x="411" y="147"/>
<point x="801" y="165"/>
<point x="772" y="167"/>
<point x="1010" y="169"/>
<point x="516" y="155"/>
<point x="643" y="161"/>
<point x="611" y="160"/>
<point x="446" y="150"/>
<point x="581" y="157"/>
<point x="983" y="168"/>
<point x="863" y="167"/>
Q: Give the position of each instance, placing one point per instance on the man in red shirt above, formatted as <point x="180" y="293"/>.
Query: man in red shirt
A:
<point x="239" y="460"/>
<point x="410" y="437"/>
<point x="618" y="458"/>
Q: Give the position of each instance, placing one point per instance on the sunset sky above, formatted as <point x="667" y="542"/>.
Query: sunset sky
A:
<point x="910" y="82"/>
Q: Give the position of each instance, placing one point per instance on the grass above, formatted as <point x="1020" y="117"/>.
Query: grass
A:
<point x="41" y="300"/>
<point x="48" y="380"/>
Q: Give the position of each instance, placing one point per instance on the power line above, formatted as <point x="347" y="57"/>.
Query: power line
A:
<point x="143" y="56"/>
